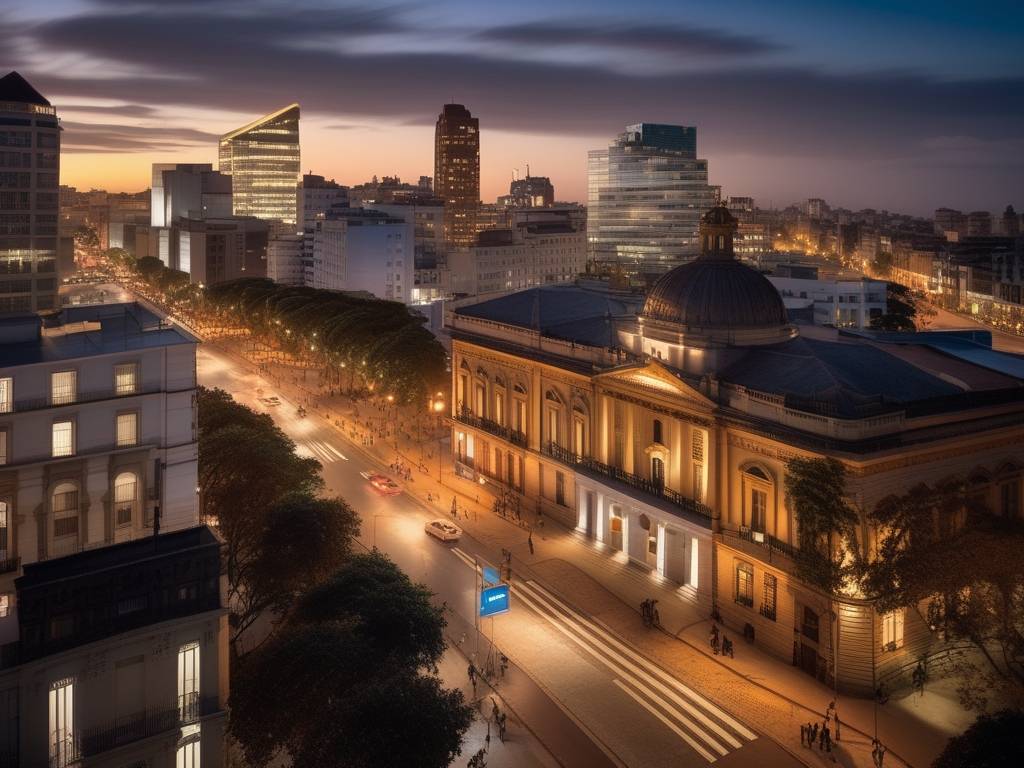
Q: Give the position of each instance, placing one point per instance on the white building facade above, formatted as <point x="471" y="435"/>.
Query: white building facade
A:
<point x="842" y="303"/>
<point x="362" y="250"/>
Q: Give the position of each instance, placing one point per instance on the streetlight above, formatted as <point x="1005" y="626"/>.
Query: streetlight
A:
<point x="437" y="406"/>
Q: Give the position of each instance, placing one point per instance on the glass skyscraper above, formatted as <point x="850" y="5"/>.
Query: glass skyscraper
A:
<point x="262" y="159"/>
<point x="29" y="198"/>
<point x="646" y="195"/>
<point x="457" y="172"/>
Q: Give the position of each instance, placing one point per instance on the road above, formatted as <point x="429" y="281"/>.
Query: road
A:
<point x="639" y="713"/>
<point x="1001" y="341"/>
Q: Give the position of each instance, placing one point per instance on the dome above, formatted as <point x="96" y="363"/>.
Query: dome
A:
<point x="716" y="291"/>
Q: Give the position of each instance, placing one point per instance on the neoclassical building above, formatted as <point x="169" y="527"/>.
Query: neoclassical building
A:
<point x="661" y="426"/>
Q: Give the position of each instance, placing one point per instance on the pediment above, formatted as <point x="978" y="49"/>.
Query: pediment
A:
<point x="653" y="377"/>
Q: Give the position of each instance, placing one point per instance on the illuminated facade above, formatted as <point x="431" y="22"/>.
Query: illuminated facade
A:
<point x="29" y="203"/>
<point x="457" y="172"/>
<point x="663" y="434"/>
<point x="262" y="159"/>
<point x="646" y="194"/>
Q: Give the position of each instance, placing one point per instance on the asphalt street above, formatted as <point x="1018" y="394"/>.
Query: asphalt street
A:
<point x="638" y="712"/>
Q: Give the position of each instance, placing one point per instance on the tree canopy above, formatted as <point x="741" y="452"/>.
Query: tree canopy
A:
<point x="346" y="680"/>
<point x="991" y="742"/>
<point x="816" y="491"/>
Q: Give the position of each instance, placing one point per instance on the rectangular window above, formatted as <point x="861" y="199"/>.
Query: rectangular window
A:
<point x="892" y="630"/>
<point x="127" y="429"/>
<point x="6" y="395"/>
<point x="62" y="719"/>
<point x="4" y="530"/>
<point x="3" y="447"/>
<point x="1009" y="497"/>
<point x="560" y="488"/>
<point x="125" y="379"/>
<point x="62" y="387"/>
<point x="63" y="438"/>
<point x="758" y="509"/>
<point x="499" y="409"/>
<point x="745" y="584"/>
<point x="188" y="682"/>
<point x="770" y="597"/>
<point x="188" y="755"/>
<point x="5" y="606"/>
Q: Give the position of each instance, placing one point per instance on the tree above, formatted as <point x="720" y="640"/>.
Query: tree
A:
<point x="881" y="265"/>
<point x="303" y="541"/>
<point x="246" y="465"/>
<point x="345" y="681"/>
<point x="991" y="742"/>
<point x="828" y="553"/>
<point x="942" y="548"/>
<point x="149" y="268"/>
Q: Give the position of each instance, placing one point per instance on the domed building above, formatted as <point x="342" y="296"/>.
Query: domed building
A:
<point x="697" y="314"/>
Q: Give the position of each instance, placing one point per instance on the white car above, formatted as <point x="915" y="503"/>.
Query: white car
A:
<point x="443" y="530"/>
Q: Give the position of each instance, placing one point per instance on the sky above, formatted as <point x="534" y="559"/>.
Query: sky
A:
<point x="906" y="105"/>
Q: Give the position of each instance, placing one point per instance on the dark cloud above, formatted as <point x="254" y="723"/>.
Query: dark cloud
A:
<point x="665" y="39"/>
<point x="123" y="110"/>
<point x="103" y="137"/>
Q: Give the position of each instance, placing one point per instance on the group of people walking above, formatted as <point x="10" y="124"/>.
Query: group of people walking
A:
<point x="720" y="644"/>
<point x="824" y="734"/>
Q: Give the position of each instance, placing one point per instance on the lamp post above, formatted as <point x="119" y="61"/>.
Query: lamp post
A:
<point x="437" y="406"/>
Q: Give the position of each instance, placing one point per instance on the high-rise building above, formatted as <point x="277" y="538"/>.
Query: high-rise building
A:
<point x="530" y="192"/>
<point x="29" y="202"/>
<point x="979" y="224"/>
<point x="262" y="159"/>
<point x="1011" y="222"/>
<point x="113" y="633"/>
<point x="950" y="220"/>
<point x="457" y="172"/>
<point x="316" y="198"/>
<point x="646" y="194"/>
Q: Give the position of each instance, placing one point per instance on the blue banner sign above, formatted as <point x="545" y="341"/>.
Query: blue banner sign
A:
<point x="490" y="575"/>
<point x="494" y="600"/>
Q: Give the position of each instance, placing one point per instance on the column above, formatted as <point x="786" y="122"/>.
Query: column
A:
<point x="582" y="500"/>
<point x="661" y="549"/>
<point x="96" y="490"/>
<point x="599" y="515"/>
<point x="31" y="498"/>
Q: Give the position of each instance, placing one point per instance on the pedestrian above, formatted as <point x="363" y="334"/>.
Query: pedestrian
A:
<point x="713" y="638"/>
<point x="504" y="665"/>
<point x="501" y="727"/>
<point x="471" y="670"/>
<point x="529" y="541"/>
<point x="803" y="735"/>
<point x="487" y="738"/>
<point x="814" y="735"/>
<point x="823" y="736"/>
<point x="877" y="752"/>
<point x="495" y="712"/>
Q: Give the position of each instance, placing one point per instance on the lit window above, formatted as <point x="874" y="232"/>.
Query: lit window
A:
<point x="745" y="584"/>
<point x="188" y="754"/>
<point x="62" y="719"/>
<point x="127" y="429"/>
<point x="892" y="630"/>
<point x="770" y="597"/>
<point x="5" y="606"/>
<point x="758" y="509"/>
<point x="125" y="495"/>
<point x="4" y="531"/>
<point x="6" y="395"/>
<point x="125" y="379"/>
<point x="188" y="681"/>
<point x="63" y="438"/>
<point x="65" y="511"/>
<point x="63" y="386"/>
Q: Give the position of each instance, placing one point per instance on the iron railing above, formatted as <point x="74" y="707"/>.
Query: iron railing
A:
<point x="8" y="564"/>
<point x="513" y="436"/>
<point x="643" y="484"/>
<point x="769" y="542"/>
<point x="185" y="710"/>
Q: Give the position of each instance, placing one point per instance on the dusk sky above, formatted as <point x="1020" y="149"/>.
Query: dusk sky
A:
<point x="906" y="105"/>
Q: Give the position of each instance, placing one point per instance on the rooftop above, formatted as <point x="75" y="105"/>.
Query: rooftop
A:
<point x="14" y="87"/>
<point x="84" y="331"/>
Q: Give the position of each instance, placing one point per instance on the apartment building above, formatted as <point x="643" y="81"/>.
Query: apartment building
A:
<point x="113" y="626"/>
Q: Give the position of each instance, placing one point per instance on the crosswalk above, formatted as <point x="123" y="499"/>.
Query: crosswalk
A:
<point x="706" y="728"/>
<point x="321" y="450"/>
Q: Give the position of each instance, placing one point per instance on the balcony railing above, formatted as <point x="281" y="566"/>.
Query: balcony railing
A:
<point x="769" y="542"/>
<point x="186" y="710"/>
<point x="505" y="433"/>
<point x="8" y="564"/>
<point x="627" y="478"/>
<point x="74" y="398"/>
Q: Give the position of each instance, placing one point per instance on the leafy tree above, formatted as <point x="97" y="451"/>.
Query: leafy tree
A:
<point x="881" y="265"/>
<point x="905" y="311"/>
<point x="304" y="539"/>
<point x="816" y="491"/>
<point x="149" y="268"/>
<point x="346" y="680"/>
<point x="246" y="465"/>
<point x="941" y="547"/>
<point x="991" y="742"/>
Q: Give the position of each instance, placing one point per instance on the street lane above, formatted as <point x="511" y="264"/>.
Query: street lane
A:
<point x="640" y="712"/>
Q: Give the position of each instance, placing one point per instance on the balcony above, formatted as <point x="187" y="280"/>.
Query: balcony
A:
<point x="642" y="484"/>
<point x="767" y="542"/>
<point x="186" y="710"/>
<point x="505" y="433"/>
<point x="9" y="564"/>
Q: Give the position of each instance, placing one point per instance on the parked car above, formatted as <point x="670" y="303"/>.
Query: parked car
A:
<point x="443" y="530"/>
<point x="382" y="483"/>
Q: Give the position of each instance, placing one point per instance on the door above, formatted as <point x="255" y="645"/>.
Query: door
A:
<point x="809" y="659"/>
<point x="615" y="530"/>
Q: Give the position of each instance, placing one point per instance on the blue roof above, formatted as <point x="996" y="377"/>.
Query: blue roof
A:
<point x="568" y="312"/>
<point x="972" y="346"/>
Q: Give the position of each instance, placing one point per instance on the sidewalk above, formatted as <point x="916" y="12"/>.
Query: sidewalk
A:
<point x="768" y="693"/>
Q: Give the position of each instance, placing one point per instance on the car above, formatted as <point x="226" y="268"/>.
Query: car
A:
<point x="271" y="401"/>
<point x="443" y="530"/>
<point x="382" y="483"/>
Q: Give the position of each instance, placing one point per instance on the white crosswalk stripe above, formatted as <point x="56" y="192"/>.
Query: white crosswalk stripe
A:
<point x="709" y="730"/>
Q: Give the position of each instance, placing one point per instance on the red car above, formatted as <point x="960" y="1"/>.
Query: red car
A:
<point x="382" y="483"/>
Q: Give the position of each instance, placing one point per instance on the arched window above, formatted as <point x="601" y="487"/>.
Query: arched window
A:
<point x="126" y="494"/>
<point x="64" y="507"/>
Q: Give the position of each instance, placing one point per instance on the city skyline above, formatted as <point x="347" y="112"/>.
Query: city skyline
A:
<point x="786" y="113"/>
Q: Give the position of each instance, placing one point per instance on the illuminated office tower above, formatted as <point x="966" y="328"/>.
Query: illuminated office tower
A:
<point x="29" y="201"/>
<point x="262" y="159"/>
<point x="646" y="195"/>
<point x="457" y="172"/>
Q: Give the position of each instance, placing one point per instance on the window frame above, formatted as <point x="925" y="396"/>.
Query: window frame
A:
<point x="893" y="625"/>
<point x="7" y="394"/>
<point x="63" y="397"/>
<point x="119" y="389"/>
<point x="744" y="575"/>
<point x="71" y="438"/>
<point x="135" y="429"/>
